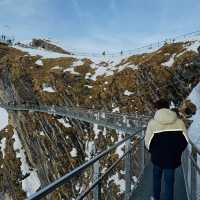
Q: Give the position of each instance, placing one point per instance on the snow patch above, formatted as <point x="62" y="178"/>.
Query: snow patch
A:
<point x="170" y="62"/>
<point x="115" y="109"/>
<point x="88" y="75"/>
<point x="64" y="123"/>
<point x="47" y="88"/>
<point x="73" y="152"/>
<point x="88" y="86"/>
<point x="194" y="46"/>
<point x="71" y="70"/>
<point x="128" y="93"/>
<point x="127" y="65"/>
<point x="119" y="149"/>
<point x="89" y="149"/>
<point x="101" y="71"/>
<point x="119" y="182"/>
<point x="78" y="63"/>
<point x="39" y="62"/>
<point x="56" y="67"/>
<point x="96" y="130"/>
<point x="3" y="118"/>
<point x="3" y="146"/>
<point x="77" y="186"/>
<point x="41" y="52"/>
<point x="31" y="183"/>
<point x="42" y="133"/>
<point x="180" y="54"/>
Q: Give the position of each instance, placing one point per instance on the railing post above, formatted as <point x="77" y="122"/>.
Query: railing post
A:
<point x="97" y="189"/>
<point x="128" y="173"/>
<point x="97" y="116"/>
<point x="96" y="175"/>
<point x="142" y="150"/>
<point x="193" y="175"/>
<point x="110" y="197"/>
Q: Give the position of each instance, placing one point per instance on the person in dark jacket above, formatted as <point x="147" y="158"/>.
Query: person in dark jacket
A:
<point x="166" y="138"/>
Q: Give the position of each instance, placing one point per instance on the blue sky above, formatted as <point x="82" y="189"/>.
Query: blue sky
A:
<point x="97" y="25"/>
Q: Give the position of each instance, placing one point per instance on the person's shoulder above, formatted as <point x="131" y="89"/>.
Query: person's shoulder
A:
<point x="151" y="122"/>
<point x="180" y="122"/>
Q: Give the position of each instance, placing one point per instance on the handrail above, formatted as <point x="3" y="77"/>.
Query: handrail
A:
<point x="29" y="106"/>
<point x="194" y="146"/>
<point x="191" y="171"/>
<point x="195" y="164"/>
<point x="84" y="194"/>
<point x="51" y="187"/>
<point x="124" y="123"/>
<point x="64" y="179"/>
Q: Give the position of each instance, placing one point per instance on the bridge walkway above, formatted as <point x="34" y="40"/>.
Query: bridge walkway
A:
<point x="144" y="189"/>
<point x="187" y="180"/>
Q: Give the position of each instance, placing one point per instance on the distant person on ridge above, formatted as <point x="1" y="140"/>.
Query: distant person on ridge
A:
<point x="166" y="138"/>
<point x="103" y="53"/>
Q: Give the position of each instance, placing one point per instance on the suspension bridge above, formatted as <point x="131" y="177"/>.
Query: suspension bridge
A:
<point x="141" y="49"/>
<point x="137" y="187"/>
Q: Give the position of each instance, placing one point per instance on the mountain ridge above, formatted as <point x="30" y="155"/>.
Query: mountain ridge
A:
<point x="127" y="84"/>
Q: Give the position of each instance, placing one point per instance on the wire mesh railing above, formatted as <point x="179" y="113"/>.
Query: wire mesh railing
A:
<point x="191" y="170"/>
<point x="114" y="178"/>
<point x="121" y="122"/>
<point x="130" y="164"/>
<point x="133" y="160"/>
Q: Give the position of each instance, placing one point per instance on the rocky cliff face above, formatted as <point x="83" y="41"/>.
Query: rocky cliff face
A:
<point x="40" y="148"/>
<point x="46" y="44"/>
<point x="43" y="44"/>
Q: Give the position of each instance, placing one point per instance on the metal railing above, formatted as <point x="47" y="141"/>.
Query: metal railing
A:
<point x="134" y="150"/>
<point x="131" y="124"/>
<point x="191" y="171"/>
<point x="121" y="122"/>
<point x="134" y="154"/>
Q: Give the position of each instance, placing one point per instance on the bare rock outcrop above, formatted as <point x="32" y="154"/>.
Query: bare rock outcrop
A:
<point x="46" y="44"/>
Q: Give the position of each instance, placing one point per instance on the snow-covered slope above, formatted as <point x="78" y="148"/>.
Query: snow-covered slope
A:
<point x="31" y="183"/>
<point x="41" y="52"/>
<point x="194" y="130"/>
<point x="115" y="61"/>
